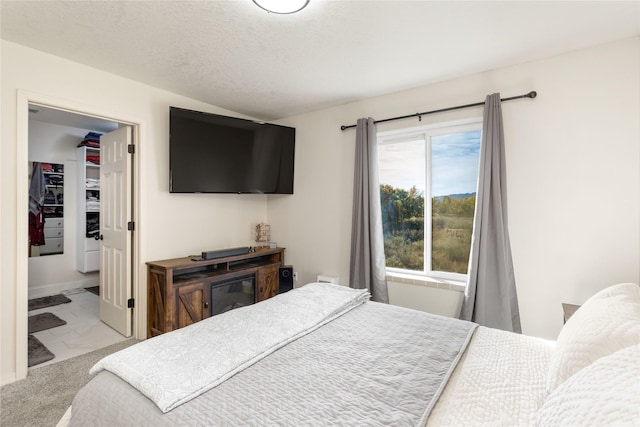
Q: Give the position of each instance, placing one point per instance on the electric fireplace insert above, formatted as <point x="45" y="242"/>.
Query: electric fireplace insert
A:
<point x="232" y="293"/>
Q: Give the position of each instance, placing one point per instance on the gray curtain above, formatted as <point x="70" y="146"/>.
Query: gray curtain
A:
<point x="490" y="297"/>
<point x="367" y="244"/>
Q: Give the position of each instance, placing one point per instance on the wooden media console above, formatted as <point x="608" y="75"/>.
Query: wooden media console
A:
<point x="179" y="290"/>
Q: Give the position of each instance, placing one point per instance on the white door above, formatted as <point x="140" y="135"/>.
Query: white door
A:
<point x="115" y="214"/>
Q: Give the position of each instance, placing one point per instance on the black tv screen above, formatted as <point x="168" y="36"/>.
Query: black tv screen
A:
<point x="209" y="153"/>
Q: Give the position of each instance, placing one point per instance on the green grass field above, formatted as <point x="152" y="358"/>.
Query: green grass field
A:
<point x="451" y="239"/>
<point x="451" y="243"/>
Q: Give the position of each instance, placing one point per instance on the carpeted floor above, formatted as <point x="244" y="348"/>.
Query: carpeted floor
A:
<point x="41" y="399"/>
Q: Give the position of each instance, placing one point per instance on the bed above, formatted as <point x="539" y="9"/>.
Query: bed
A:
<point x="331" y="357"/>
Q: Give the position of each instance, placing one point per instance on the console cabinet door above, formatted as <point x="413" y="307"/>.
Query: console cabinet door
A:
<point x="192" y="304"/>
<point x="158" y="320"/>
<point x="267" y="283"/>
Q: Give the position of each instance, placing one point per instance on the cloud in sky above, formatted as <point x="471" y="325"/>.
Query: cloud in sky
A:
<point x="401" y="165"/>
<point x="454" y="163"/>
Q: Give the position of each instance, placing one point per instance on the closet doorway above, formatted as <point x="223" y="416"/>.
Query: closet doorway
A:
<point x="74" y="141"/>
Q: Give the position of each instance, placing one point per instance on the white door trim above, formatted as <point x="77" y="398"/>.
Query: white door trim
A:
<point x="24" y="98"/>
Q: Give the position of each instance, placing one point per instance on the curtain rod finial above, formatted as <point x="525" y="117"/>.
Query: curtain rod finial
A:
<point x="532" y="94"/>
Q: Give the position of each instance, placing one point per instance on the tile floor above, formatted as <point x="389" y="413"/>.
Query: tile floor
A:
<point x="83" y="333"/>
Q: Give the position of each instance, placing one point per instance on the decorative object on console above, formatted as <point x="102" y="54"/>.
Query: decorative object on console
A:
<point x="263" y="234"/>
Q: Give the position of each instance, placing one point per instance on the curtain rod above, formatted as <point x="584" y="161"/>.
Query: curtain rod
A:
<point x="531" y="95"/>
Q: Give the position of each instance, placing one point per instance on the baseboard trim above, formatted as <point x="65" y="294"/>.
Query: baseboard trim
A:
<point x="8" y="378"/>
<point x="56" y="288"/>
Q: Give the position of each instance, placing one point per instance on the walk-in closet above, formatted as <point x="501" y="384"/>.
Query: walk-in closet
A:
<point x="64" y="231"/>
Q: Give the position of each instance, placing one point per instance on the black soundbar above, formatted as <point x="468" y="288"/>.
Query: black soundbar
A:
<point x="221" y="253"/>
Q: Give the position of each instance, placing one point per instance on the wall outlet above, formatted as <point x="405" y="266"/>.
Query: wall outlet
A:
<point x="295" y="276"/>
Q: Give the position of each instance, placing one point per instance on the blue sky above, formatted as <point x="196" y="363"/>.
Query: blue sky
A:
<point x="454" y="163"/>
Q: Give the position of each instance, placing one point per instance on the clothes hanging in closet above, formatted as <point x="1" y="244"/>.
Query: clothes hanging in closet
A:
<point x="37" y="193"/>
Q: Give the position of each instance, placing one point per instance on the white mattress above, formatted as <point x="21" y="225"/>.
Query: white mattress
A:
<point x="376" y="365"/>
<point x="500" y="381"/>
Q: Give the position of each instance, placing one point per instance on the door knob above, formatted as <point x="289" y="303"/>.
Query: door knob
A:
<point x="99" y="237"/>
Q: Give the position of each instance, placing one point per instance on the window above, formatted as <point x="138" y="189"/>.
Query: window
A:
<point x="428" y="180"/>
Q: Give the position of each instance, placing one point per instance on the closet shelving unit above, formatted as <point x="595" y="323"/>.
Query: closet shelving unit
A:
<point x="54" y="211"/>
<point x="88" y="251"/>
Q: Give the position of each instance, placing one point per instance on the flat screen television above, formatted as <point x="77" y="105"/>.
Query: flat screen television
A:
<point x="210" y="153"/>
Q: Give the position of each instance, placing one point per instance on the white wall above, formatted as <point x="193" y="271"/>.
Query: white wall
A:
<point x="573" y="160"/>
<point x="169" y="225"/>
<point x="429" y="297"/>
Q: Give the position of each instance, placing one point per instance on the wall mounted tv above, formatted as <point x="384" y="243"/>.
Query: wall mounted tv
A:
<point x="209" y="153"/>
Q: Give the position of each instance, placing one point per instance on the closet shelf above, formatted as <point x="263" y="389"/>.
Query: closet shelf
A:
<point x="88" y="252"/>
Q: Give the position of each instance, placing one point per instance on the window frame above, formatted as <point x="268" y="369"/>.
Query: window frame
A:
<point x="426" y="132"/>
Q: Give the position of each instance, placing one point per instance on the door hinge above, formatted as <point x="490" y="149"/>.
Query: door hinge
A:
<point x="131" y="149"/>
<point x="131" y="226"/>
<point x="130" y="303"/>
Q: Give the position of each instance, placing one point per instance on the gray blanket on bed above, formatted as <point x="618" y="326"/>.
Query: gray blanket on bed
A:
<point x="176" y="367"/>
<point x="375" y="365"/>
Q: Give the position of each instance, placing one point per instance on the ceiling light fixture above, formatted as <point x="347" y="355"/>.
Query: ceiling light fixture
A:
<point x="282" y="7"/>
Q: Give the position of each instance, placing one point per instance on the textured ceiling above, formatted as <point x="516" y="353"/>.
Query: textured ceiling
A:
<point x="236" y="56"/>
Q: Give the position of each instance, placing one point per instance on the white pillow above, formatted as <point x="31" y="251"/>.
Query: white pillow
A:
<point x="605" y="393"/>
<point x="606" y="323"/>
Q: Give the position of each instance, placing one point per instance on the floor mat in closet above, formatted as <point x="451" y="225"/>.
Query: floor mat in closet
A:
<point x="36" y="303"/>
<point x="38" y="353"/>
<point x="94" y="290"/>
<point x="44" y="321"/>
